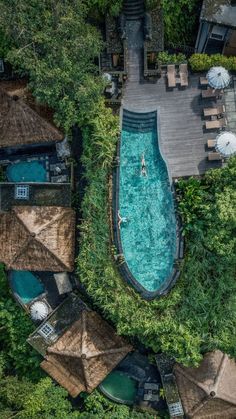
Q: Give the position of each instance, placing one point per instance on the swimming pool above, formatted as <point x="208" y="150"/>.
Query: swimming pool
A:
<point x="26" y="171"/>
<point x="148" y="228"/>
<point x="119" y="387"/>
<point x="26" y="285"/>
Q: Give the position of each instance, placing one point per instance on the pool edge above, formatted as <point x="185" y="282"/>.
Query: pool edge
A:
<point x="122" y="265"/>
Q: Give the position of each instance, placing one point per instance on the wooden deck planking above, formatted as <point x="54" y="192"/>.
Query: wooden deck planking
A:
<point x="181" y="123"/>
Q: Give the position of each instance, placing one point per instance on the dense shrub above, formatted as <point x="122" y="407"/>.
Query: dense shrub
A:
<point x="152" y="4"/>
<point x="15" y="326"/>
<point x="181" y="20"/>
<point x="166" y="58"/>
<point x="203" y="62"/>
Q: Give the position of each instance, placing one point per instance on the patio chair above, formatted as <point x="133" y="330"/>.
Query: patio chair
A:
<point x="214" y="156"/>
<point x="183" y="74"/>
<point x="217" y="123"/>
<point x="218" y="110"/>
<point x="203" y="81"/>
<point x="207" y="93"/>
<point x="211" y="143"/>
<point x="171" y="75"/>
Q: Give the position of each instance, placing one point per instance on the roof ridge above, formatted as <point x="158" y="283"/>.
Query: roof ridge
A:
<point x="34" y="236"/>
<point x="191" y="378"/>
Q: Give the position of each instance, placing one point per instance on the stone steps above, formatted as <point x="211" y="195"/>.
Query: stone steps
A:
<point x="133" y="9"/>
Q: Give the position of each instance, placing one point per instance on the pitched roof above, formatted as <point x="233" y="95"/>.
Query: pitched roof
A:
<point x="38" y="238"/>
<point x="21" y="125"/>
<point x="83" y="356"/>
<point x="209" y="391"/>
<point x="222" y="12"/>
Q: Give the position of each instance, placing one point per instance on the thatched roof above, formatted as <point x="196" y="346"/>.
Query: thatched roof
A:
<point x="21" y="125"/>
<point x="209" y="391"/>
<point x="38" y="238"/>
<point x="83" y="356"/>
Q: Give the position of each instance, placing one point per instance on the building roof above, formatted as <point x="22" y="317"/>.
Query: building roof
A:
<point x="38" y="238"/>
<point x="21" y="125"/>
<point x="219" y="11"/>
<point x="85" y="354"/>
<point x="209" y="391"/>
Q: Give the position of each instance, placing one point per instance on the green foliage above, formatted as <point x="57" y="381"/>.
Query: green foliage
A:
<point x="164" y="57"/>
<point x="195" y="315"/>
<point x="5" y="44"/>
<point x="57" y="48"/>
<point x="105" y="6"/>
<point x="152" y="4"/>
<point x="99" y="406"/>
<point x="181" y="19"/>
<point x="25" y="400"/>
<point x="15" y="326"/>
<point x="203" y="62"/>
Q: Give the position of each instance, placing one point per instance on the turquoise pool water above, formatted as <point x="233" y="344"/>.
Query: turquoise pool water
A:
<point x="31" y="171"/>
<point x="120" y="387"/>
<point x="148" y="236"/>
<point x="26" y="285"/>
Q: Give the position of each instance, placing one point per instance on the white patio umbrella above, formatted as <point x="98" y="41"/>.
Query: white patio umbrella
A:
<point x="218" y="77"/>
<point x="39" y="310"/>
<point x="226" y="143"/>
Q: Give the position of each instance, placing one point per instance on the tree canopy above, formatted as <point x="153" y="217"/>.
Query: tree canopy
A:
<point x="56" y="47"/>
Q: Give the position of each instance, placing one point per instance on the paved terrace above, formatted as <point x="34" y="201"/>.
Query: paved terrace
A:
<point x="181" y="123"/>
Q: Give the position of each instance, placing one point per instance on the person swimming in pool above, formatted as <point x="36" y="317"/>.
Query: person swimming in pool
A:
<point x="121" y="219"/>
<point x="143" y="166"/>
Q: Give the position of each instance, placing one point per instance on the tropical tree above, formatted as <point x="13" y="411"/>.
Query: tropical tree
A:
<point x="56" y="48"/>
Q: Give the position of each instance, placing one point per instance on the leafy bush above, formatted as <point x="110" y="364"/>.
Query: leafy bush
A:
<point x="199" y="314"/>
<point x="203" y="62"/>
<point x="181" y="20"/>
<point x="15" y="326"/>
<point x="152" y="4"/>
<point x="166" y="58"/>
<point x="5" y="44"/>
<point x="105" y="6"/>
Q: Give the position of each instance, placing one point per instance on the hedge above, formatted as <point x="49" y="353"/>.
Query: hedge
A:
<point x="203" y="62"/>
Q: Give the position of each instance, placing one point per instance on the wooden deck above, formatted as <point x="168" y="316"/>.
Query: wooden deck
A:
<point x="180" y="113"/>
<point x="181" y="124"/>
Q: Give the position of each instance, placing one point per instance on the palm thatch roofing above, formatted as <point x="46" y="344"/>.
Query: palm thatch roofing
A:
<point x="85" y="354"/>
<point x="38" y="238"/>
<point x="209" y="391"/>
<point x="21" y="125"/>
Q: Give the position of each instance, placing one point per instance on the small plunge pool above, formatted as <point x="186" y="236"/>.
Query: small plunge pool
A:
<point x="26" y="171"/>
<point x="119" y="387"/>
<point x="26" y="285"/>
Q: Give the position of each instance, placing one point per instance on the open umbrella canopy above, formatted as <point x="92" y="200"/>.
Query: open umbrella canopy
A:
<point x="226" y="143"/>
<point x="218" y="77"/>
<point x="39" y="310"/>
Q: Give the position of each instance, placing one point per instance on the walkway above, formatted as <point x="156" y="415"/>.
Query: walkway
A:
<point x="180" y="111"/>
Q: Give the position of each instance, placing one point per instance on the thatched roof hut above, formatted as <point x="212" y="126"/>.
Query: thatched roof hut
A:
<point x="209" y="391"/>
<point x="85" y="354"/>
<point x="38" y="238"/>
<point x="21" y="125"/>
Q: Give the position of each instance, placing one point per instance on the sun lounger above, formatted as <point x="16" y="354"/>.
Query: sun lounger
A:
<point x="218" y="110"/>
<point x="206" y="93"/>
<point x="183" y="74"/>
<point x="217" y="123"/>
<point x="211" y="143"/>
<point x="203" y="81"/>
<point x="214" y="156"/>
<point x="171" y="75"/>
